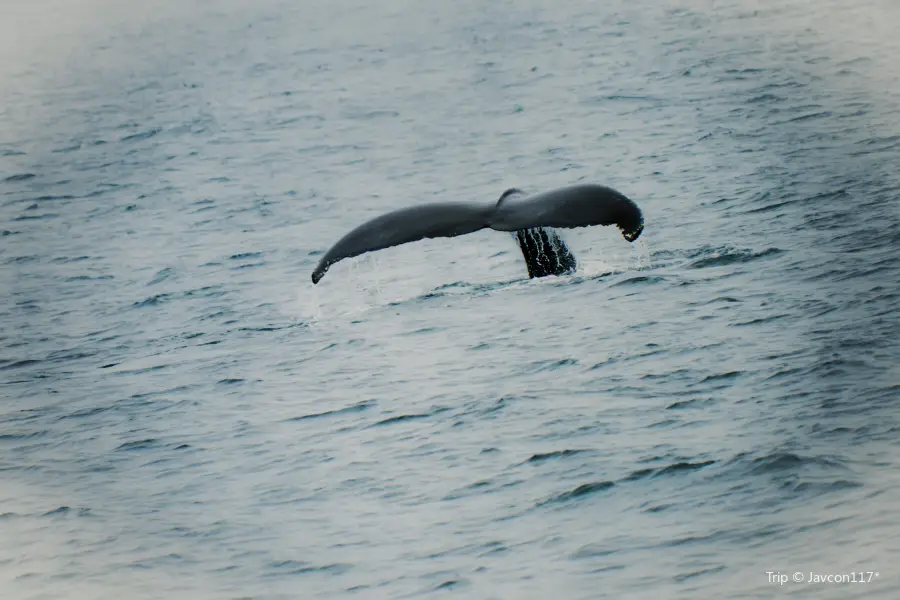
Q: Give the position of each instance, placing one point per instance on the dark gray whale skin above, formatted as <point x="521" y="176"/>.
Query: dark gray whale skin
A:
<point x="545" y="253"/>
<point x="575" y="206"/>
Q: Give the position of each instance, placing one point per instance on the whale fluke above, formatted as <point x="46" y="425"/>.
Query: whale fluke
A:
<point x="576" y="206"/>
<point x="529" y="216"/>
<point x="545" y="253"/>
<point x="404" y="226"/>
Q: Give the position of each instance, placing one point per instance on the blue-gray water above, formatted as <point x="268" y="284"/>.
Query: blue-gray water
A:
<point x="184" y="415"/>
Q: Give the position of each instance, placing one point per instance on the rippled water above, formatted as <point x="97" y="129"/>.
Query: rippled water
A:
<point x="185" y="415"/>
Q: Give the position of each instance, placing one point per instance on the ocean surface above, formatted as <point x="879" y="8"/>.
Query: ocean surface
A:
<point x="701" y="414"/>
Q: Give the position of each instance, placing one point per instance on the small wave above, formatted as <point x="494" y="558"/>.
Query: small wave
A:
<point x="765" y="98"/>
<point x="142" y="135"/>
<point x="36" y="217"/>
<point x="640" y="280"/>
<point x="469" y="490"/>
<point x="295" y="567"/>
<point x="455" y="284"/>
<point x="68" y="259"/>
<point x="422" y="330"/>
<point x="807" y="117"/>
<point x="246" y="255"/>
<point x="374" y="114"/>
<point x="723" y="299"/>
<point x="815" y="198"/>
<point x="758" y="321"/>
<point x="451" y="584"/>
<point x="18" y="437"/>
<point x="838" y="367"/>
<point x="142" y="371"/>
<point x="551" y="365"/>
<point x="51" y="198"/>
<point x="626" y="98"/>
<point x="692" y="574"/>
<point x="75" y="278"/>
<point x="152" y="85"/>
<point x="606" y="363"/>
<point x="585" y="489"/>
<point x="354" y="408"/>
<point x="787" y="461"/>
<point x="679" y="467"/>
<point x="677" y="373"/>
<point x="20" y="364"/>
<point x="593" y="550"/>
<point x="248" y="266"/>
<point x="769" y="207"/>
<point x="692" y="403"/>
<point x="162" y="275"/>
<point x="67" y="355"/>
<point x="180" y="388"/>
<point x="401" y="418"/>
<point x="62" y="510"/>
<point x="270" y="328"/>
<point x="431" y="296"/>
<point x="883" y="143"/>
<point x="730" y="257"/>
<point x="825" y="486"/>
<point x="787" y="372"/>
<point x="207" y="291"/>
<point x="721" y="376"/>
<point x="138" y="445"/>
<point x="536" y="458"/>
<point x="70" y="148"/>
<point x="155" y="300"/>
<point x="20" y="177"/>
<point x="86" y="412"/>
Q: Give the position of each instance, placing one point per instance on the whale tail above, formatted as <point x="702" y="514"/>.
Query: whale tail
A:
<point x="545" y="253"/>
<point x="529" y="219"/>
